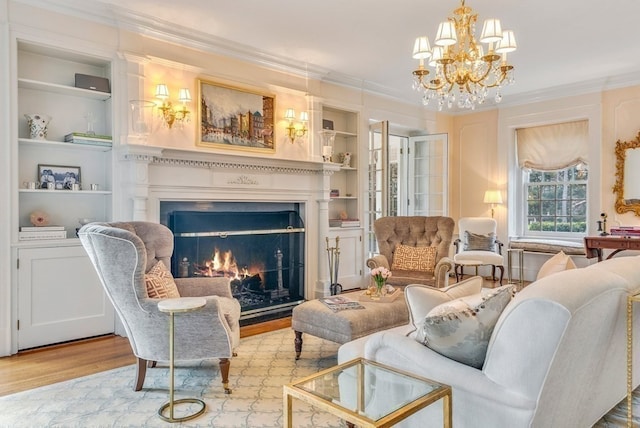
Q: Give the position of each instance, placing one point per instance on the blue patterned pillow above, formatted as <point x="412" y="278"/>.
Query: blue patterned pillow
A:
<point x="460" y="329"/>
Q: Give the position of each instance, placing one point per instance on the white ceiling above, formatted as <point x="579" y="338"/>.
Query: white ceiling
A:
<point x="563" y="45"/>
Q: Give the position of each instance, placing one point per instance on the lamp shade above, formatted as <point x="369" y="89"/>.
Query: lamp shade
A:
<point x="290" y="114"/>
<point x="491" y="31"/>
<point x="184" y="95"/>
<point x="421" y="48"/>
<point x="162" y="91"/>
<point x="507" y="43"/>
<point x="492" y="197"/>
<point x="304" y="116"/>
<point x="446" y="34"/>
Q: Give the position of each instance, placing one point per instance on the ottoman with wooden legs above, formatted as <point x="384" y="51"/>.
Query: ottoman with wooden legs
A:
<point x="315" y="318"/>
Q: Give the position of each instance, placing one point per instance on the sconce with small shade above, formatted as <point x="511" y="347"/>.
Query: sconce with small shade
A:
<point x="294" y="131"/>
<point x="167" y="112"/>
<point x="492" y="197"/>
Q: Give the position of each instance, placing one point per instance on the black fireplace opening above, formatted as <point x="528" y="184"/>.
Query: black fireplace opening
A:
<point x="261" y="252"/>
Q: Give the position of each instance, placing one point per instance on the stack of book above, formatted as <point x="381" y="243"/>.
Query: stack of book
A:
<point x="347" y="222"/>
<point x="340" y="303"/>
<point x="91" y="139"/>
<point x="31" y="233"/>
<point x="625" y="231"/>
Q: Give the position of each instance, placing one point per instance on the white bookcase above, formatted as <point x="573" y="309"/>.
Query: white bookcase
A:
<point x="56" y="287"/>
<point x="346" y="195"/>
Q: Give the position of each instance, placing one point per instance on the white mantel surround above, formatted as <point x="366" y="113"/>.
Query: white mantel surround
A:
<point x="150" y="175"/>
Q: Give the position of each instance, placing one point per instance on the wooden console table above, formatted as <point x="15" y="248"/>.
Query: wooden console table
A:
<point x="595" y="244"/>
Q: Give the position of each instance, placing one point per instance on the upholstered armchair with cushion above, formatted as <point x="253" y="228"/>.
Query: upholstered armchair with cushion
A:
<point x="478" y="241"/>
<point x="415" y="249"/>
<point x="132" y="261"/>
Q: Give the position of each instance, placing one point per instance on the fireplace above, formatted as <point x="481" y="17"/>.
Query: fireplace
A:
<point x="258" y="246"/>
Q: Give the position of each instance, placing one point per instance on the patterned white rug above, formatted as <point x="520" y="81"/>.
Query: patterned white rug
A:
<point x="264" y="363"/>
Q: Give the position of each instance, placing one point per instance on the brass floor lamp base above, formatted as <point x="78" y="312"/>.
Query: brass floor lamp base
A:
<point x="166" y="406"/>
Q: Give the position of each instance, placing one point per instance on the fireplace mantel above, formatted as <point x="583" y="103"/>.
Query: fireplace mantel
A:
<point x="153" y="174"/>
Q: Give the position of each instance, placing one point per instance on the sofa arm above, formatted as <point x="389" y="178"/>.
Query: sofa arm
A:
<point x="202" y="286"/>
<point x="473" y="393"/>
<point x="378" y="261"/>
<point x="441" y="272"/>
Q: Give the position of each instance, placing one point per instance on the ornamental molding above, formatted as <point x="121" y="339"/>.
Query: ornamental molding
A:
<point x="244" y="180"/>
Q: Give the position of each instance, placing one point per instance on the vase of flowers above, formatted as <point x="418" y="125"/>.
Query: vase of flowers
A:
<point x="380" y="276"/>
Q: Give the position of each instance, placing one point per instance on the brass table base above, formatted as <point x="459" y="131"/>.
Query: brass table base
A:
<point x="170" y="404"/>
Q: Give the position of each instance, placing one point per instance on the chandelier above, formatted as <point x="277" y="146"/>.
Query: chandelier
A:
<point x="462" y="72"/>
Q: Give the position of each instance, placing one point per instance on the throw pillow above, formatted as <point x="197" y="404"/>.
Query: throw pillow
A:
<point x="406" y="257"/>
<point x="160" y="283"/>
<point x="421" y="299"/>
<point x="557" y="263"/>
<point x="461" y="329"/>
<point x="474" y="241"/>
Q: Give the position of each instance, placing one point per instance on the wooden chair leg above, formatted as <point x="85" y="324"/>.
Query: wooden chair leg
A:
<point x="141" y="371"/>
<point x="224" y="372"/>
<point x="298" y="343"/>
<point x="501" y="273"/>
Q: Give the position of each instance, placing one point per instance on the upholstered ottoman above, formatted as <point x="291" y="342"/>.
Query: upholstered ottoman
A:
<point x="315" y="318"/>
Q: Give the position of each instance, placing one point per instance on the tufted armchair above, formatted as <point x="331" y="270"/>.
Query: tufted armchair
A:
<point x="122" y="253"/>
<point x="414" y="231"/>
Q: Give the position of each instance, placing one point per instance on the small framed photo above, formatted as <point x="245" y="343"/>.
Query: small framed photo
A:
<point x="327" y="124"/>
<point x="61" y="177"/>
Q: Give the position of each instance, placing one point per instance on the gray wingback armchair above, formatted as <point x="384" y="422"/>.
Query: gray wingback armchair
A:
<point x="414" y="231"/>
<point x="122" y="253"/>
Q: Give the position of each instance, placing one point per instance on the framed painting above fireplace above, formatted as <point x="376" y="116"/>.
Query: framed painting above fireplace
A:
<point x="234" y="118"/>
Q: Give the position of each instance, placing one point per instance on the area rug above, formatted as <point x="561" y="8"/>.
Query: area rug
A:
<point x="264" y="363"/>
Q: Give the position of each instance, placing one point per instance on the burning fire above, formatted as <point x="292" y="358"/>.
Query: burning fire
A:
<point x="223" y="263"/>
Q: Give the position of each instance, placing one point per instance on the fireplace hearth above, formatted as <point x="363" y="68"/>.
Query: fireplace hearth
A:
<point x="261" y="252"/>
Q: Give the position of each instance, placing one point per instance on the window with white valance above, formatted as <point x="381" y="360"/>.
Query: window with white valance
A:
<point x="553" y="147"/>
<point x="553" y="160"/>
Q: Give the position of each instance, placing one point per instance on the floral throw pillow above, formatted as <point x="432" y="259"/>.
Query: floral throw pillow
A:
<point x="406" y="257"/>
<point x="160" y="283"/>
<point x="461" y="329"/>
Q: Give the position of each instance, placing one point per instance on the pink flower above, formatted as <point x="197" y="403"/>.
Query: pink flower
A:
<point x="380" y="274"/>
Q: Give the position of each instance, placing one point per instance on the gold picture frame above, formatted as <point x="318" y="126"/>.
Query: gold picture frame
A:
<point x="235" y="118"/>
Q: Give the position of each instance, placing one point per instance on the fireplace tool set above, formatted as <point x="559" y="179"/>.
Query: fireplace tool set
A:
<point x="333" y="255"/>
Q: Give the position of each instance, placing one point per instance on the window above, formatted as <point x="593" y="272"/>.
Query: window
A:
<point x="553" y="160"/>
<point x="556" y="201"/>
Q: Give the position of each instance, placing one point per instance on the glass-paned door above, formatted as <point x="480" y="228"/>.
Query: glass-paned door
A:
<point x="378" y="179"/>
<point x="427" y="175"/>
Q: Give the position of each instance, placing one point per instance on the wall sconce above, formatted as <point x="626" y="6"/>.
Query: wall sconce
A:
<point x="492" y="197"/>
<point x="167" y="112"/>
<point x="293" y="131"/>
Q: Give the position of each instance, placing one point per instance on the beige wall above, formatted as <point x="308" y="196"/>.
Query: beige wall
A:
<point x="482" y="151"/>
<point x="620" y="121"/>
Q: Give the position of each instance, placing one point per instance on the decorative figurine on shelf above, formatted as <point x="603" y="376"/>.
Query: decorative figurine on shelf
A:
<point x="346" y="159"/>
<point x="37" y="125"/>
<point x="602" y="224"/>
<point x="39" y="218"/>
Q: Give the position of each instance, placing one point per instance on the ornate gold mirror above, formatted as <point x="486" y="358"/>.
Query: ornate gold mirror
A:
<point x="627" y="187"/>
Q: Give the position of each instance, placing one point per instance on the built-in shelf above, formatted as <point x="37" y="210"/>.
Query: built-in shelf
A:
<point x="67" y="192"/>
<point x="62" y="89"/>
<point x="63" y="144"/>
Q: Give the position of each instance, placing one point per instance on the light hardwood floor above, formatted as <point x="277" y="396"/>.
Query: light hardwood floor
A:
<point x="43" y="366"/>
<point x="57" y="363"/>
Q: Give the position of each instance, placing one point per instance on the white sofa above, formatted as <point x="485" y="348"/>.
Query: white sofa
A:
<point x="556" y="358"/>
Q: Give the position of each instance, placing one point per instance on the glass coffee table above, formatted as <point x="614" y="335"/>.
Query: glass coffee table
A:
<point x="367" y="394"/>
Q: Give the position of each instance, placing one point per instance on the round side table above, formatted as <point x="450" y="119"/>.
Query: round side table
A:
<point x="173" y="306"/>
